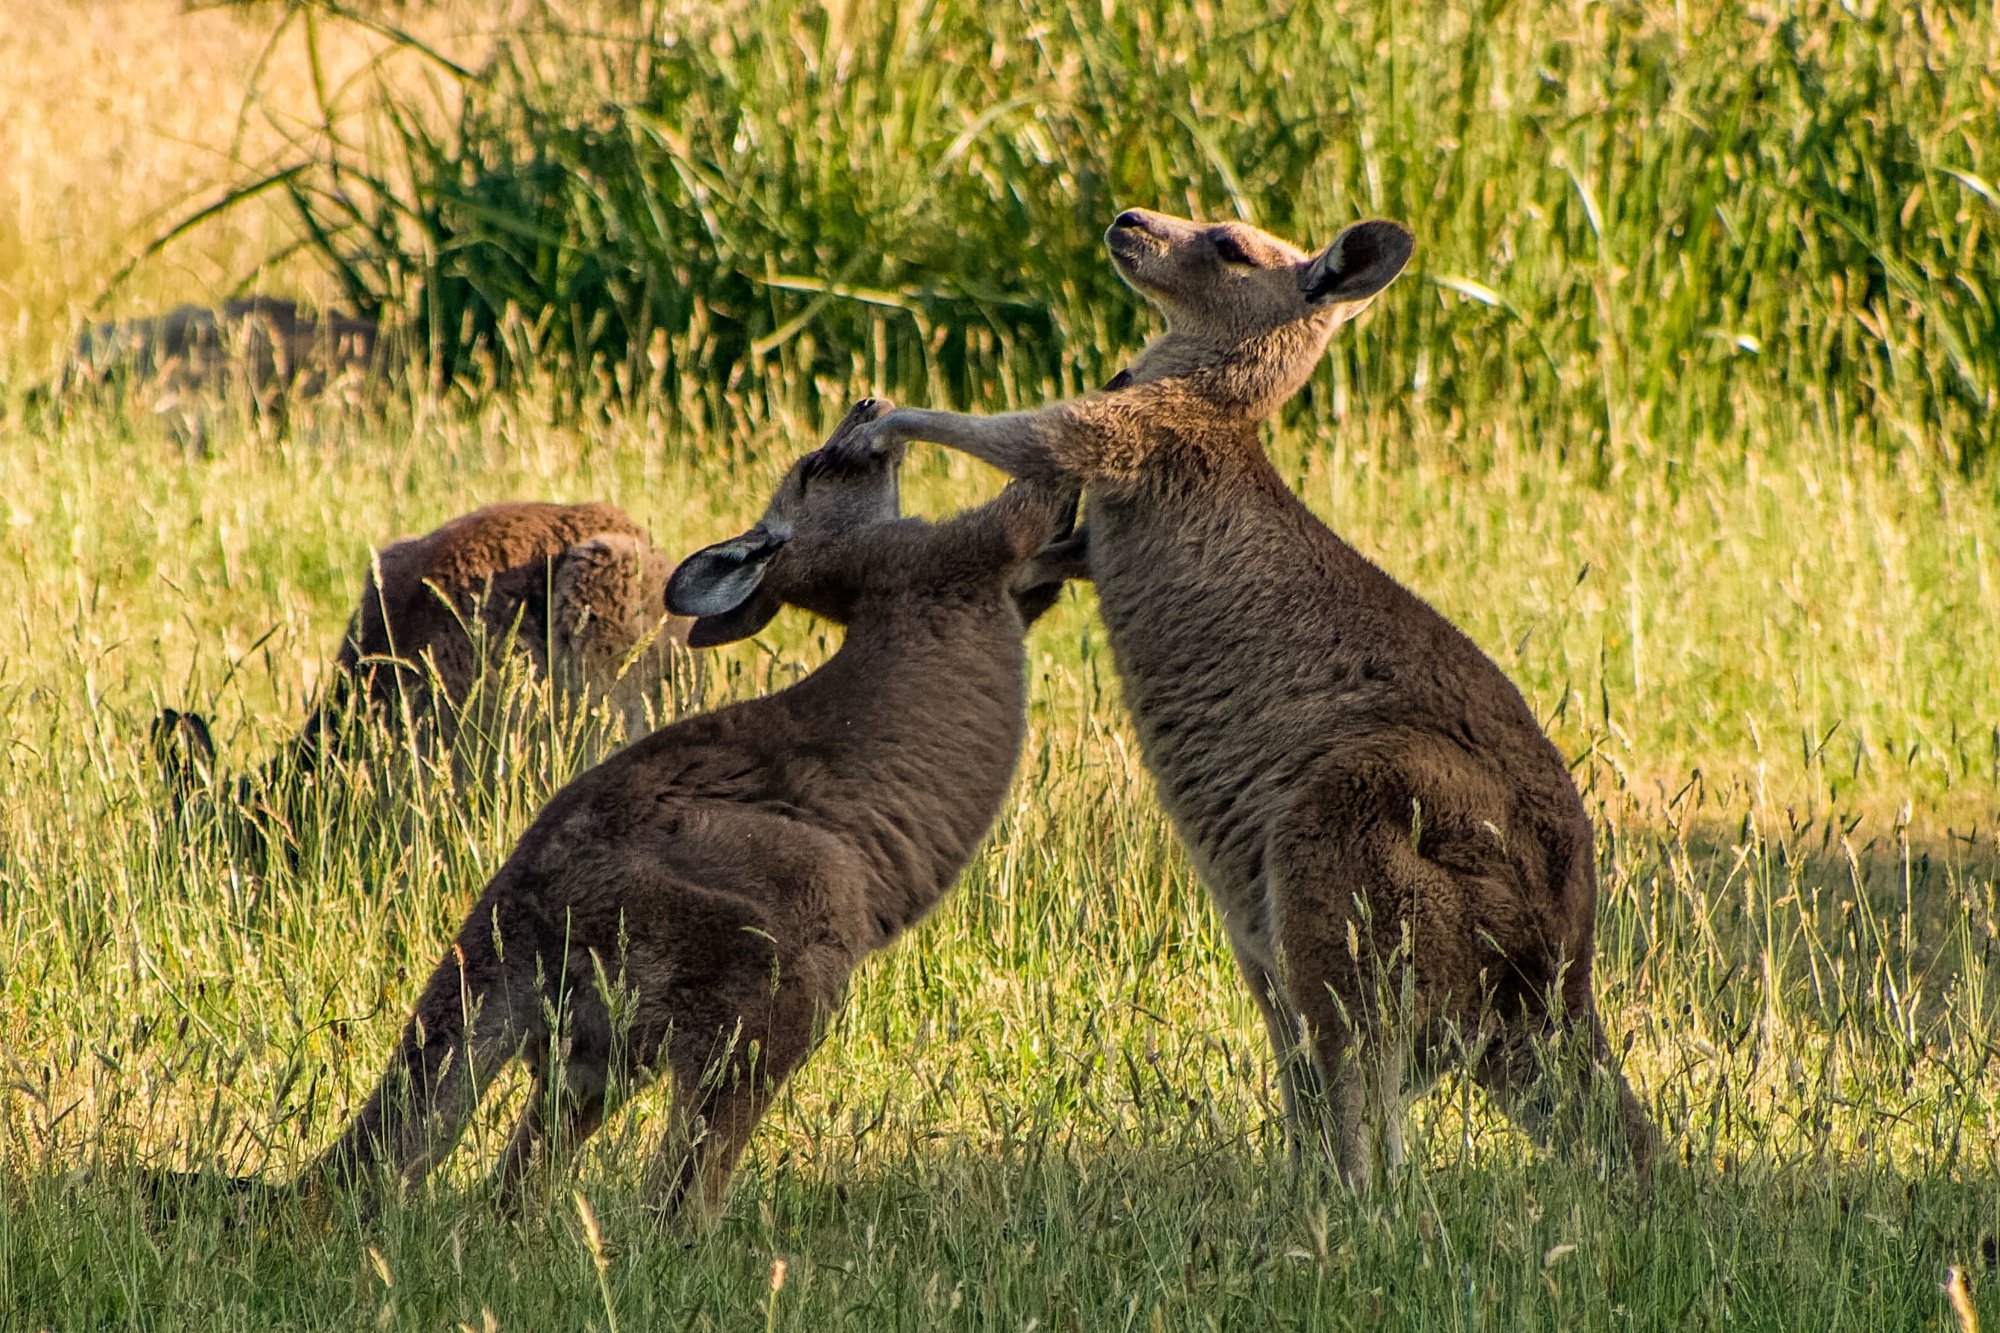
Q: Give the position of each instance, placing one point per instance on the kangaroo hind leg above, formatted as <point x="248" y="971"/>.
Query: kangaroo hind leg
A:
<point x="723" y="1086"/>
<point x="1344" y="969"/>
<point x="559" y="1115"/>
<point x="1302" y="1097"/>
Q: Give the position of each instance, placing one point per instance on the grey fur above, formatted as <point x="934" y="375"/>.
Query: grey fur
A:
<point x="267" y="340"/>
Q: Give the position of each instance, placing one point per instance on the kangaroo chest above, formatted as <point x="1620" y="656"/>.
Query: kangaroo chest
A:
<point x="1252" y="644"/>
<point x="1222" y="652"/>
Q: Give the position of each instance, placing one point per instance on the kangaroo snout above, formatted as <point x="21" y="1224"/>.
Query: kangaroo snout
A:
<point x="1135" y="230"/>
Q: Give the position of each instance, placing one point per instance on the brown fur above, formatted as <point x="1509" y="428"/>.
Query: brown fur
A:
<point x="726" y="874"/>
<point x="574" y="592"/>
<point x="1370" y="801"/>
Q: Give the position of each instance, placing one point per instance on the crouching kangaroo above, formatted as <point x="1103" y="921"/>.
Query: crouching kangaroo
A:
<point x="727" y="873"/>
<point x="1367" y="797"/>
<point x="574" y="592"/>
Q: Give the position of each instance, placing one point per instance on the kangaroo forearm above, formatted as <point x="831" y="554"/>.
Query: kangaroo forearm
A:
<point x="1010" y="529"/>
<point x="1017" y="443"/>
<point x="1094" y="440"/>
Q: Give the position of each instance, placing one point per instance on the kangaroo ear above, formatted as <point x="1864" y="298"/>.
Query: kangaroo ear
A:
<point x="1362" y="260"/>
<point x="720" y="578"/>
<point x="722" y="586"/>
<point x="594" y="580"/>
<point x="734" y="626"/>
<point x="1040" y="581"/>
<point x="1034" y="513"/>
<point x="182" y="747"/>
<point x="1065" y="558"/>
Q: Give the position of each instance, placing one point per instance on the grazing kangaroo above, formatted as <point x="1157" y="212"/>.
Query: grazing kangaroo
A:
<point x="1368" y="798"/>
<point x="573" y="591"/>
<point x="724" y="875"/>
<point x="267" y="346"/>
<point x="269" y="343"/>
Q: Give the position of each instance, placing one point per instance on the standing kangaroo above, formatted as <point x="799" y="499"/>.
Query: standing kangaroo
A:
<point x="572" y="590"/>
<point x="723" y="876"/>
<point x="1368" y="798"/>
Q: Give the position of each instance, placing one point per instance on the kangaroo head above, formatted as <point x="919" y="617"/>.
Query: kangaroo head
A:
<point x="609" y="576"/>
<point x="1246" y="311"/>
<point x="607" y="602"/>
<point x="184" y="751"/>
<point x="733" y="588"/>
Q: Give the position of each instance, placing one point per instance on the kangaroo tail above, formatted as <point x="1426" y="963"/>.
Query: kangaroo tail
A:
<point x="461" y="1033"/>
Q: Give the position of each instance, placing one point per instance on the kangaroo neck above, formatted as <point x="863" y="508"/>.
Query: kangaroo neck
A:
<point x="916" y="722"/>
<point x="1246" y="378"/>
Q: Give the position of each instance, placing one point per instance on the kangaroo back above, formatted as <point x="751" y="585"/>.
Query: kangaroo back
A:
<point x="446" y="623"/>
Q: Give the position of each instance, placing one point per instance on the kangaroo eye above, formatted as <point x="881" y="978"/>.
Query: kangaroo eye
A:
<point x="1230" y="252"/>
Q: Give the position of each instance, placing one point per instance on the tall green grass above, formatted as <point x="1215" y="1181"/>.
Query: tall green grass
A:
<point x="1644" y="229"/>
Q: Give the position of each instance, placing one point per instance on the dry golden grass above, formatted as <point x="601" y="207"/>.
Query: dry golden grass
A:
<point x="119" y="119"/>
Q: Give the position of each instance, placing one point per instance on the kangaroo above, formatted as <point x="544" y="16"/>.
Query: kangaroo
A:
<point x="574" y="591"/>
<point x="726" y="874"/>
<point x="268" y="341"/>
<point x="268" y="347"/>
<point x="1368" y="798"/>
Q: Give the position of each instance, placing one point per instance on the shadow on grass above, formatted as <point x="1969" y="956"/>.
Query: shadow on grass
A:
<point x="1883" y="859"/>
<point x="1923" y="900"/>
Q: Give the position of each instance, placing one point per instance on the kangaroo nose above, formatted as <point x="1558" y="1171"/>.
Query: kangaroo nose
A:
<point x="1131" y="218"/>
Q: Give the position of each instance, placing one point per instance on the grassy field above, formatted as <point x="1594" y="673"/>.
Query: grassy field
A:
<point x="1770" y="649"/>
